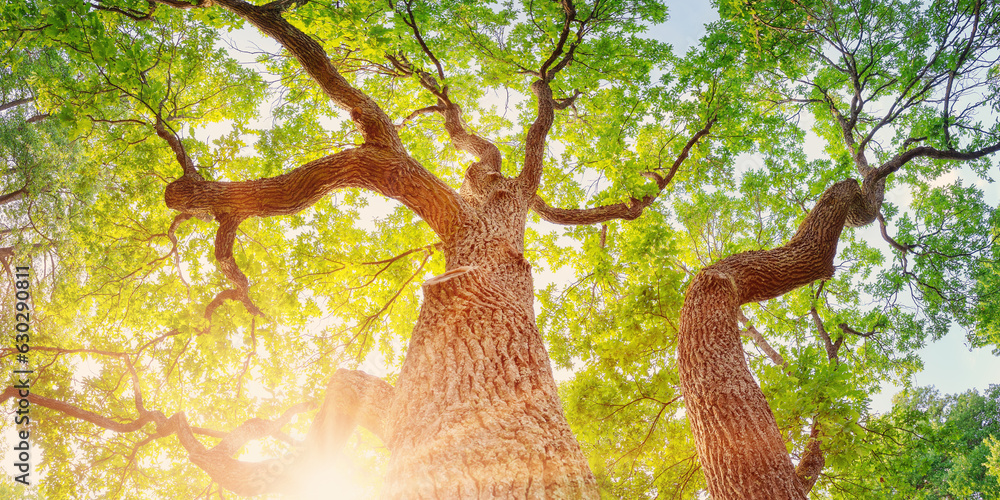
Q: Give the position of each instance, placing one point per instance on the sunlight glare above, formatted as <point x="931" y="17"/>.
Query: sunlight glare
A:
<point x="331" y="480"/>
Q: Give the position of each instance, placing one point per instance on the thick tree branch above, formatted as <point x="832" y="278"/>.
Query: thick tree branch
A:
<point x="480" y="177"/>
<point x="257" y="428"/>
<point x="873" y="187"/>
<point x="379" y="170"/>
<point x="486" y="151"/>
<point x="808" y="256"/>
<point x="897" y="162"/>
<point x="352" y="398"/>
<point x="13" y="196"/>
<point x="725" y="405"/>
<point x="372" y="122"/>
<point x="416" y="113"/>
<point x="812" y="461"/>
<point x="594" y="215"/>
<point x="560" y="50"/>
<point x="225" y="239"/>
<point x="381" y="165"/>
<point x="15" y="103"/>
<point x="534" y="142"/>
<point x="80" y="413"/>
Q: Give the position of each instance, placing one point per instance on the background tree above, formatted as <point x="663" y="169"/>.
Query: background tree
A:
<point x="928" y="446"/>
<point x="220" y="276"/>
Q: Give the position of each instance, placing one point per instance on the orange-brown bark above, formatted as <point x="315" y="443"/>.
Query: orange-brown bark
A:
<point x="742" y="453"/>
<point x="735" y="432"/>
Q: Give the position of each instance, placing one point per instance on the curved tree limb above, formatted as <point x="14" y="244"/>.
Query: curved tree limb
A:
<point x="534" y="143"/>
<point x="897" y="162"/>
<point x="15" y="103"/>
<point x="479" y="176"/>
<point x="372" y="122"/>
<point x="380" y="170"/>
<point x="594" y="215"/>
<point x="185" y="161"/>
<point x="735" y="431"/>
<point x="812" y="461"/>
<point x="725" y="405"/>
<point x="882" y="226"/>
<point x="13" y="196"/>
<point x="225" y="240"/>
<point x="376" y="169"/>
<point x="352" y="398"/>
<point x="381" y="164"/>
<point x="560" y="50"/>
<point x="625" y="211"/>
<point x="390" y="172"/>
<point x="486" y="151"/>
<point x="873" y="187"/>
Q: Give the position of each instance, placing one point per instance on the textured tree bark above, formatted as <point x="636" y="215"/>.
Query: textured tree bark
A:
<point x="476" y="412"/>
<point x="742" y="453"/>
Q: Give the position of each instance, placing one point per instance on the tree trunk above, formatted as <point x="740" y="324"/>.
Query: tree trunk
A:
<point x="737" y="438"/>
<point x="476" y="412"/>
<point x="741" y="449"/>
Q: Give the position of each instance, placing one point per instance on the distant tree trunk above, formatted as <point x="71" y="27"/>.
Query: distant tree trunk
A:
<point x="741" y="450"/>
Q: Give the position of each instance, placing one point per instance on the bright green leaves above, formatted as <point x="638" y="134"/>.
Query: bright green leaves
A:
<point x="616" y="326"/>
<point x="356" y="30"/>
<point x="928" y="446"/>
<point x="654" y="449"/>
<point x="340" y="281"/>
<point x="124" y="71"/>
<point x="951" y="252"/>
